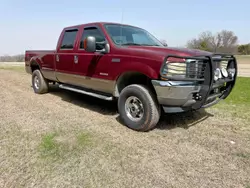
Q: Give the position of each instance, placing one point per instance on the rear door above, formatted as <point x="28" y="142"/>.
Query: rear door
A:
<point x="65" y="56"/>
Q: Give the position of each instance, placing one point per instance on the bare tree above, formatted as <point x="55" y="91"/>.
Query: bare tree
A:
<point x="229" y="41"/>
<point x="224" y="41"/>
<point x="215" y="42"/>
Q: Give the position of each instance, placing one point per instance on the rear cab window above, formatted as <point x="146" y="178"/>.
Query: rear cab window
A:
<point x="68" y="40"/>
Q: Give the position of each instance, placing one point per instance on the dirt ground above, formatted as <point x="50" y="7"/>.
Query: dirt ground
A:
<point x="244" y="70"/>
<point x="64" y="139"/>
<point x="243" y="65"/>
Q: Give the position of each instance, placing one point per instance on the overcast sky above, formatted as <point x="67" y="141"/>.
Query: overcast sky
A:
<point x="33" y="24"/>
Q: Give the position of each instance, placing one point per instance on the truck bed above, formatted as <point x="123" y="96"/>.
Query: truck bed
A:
<point x="45" y="58"/>
<point x="31" y="53"/>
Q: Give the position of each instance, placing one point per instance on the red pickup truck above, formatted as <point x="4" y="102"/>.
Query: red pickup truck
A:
<point x="125" y="63"/>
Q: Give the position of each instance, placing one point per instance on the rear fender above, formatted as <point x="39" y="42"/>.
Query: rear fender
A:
<point x="34" y="62"/>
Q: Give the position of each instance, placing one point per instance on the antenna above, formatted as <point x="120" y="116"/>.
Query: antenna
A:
<point x="122" y="15"/>
<point x="121" y="27"/>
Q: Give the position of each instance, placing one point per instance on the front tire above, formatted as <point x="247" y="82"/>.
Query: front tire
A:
<point x="138" y="108"/>
<point x="39" y="83"/>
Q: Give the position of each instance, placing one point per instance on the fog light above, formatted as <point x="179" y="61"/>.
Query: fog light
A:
<point x="231" y="72"/>
<point x="216" y="90"/>
<point x="197" y="97"/>
<point x="224" y="72"/>
<point x="217" y="74"/>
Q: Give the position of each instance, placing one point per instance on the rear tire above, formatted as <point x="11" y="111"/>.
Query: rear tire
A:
<point x="138" y="108"/>
<point x="39" y="83"/>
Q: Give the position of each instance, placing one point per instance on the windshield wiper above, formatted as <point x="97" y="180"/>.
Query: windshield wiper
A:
<point x="150" y="45"/>
<point x="131" y="43"/>
<point x="136" y="44"/>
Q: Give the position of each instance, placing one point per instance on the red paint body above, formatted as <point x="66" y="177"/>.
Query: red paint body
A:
<point x="142" y="59"/>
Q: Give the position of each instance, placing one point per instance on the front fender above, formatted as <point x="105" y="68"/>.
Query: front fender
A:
<point x="138" y="67"/>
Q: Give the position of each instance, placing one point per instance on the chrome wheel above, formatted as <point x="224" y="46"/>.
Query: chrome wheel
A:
<point x="36" y="82"/>
<point x="134" y="108"/>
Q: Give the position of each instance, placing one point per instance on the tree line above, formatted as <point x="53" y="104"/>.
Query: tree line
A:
<point x="14" y="58"/>
<point x="221" y="42"/>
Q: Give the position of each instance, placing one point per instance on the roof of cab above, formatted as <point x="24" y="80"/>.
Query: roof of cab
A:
<point x="97" y="23"/>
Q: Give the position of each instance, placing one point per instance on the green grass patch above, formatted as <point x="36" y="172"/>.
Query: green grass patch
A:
<point x="63" y="145"/>
<point x="84" y="139"/>
<point x="243" y="155"/>
<point x="48" y="146"/>
<point x="240" y="94"/>
<point x="237" y="104"/>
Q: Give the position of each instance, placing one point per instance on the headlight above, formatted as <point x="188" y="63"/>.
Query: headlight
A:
<point x="175" y="68"/>
<point x="224" y="72"/>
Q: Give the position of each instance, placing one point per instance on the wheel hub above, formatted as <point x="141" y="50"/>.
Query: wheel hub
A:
<point x="134" y="108"/>
<point x="36" y="82"/>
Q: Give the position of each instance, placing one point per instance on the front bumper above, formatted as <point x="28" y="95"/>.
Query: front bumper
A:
<point x="175" y="94"/>
<point x="183" y="95"/>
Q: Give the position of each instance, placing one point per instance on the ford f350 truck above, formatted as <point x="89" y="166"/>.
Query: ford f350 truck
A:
<point x="121" y="62"/>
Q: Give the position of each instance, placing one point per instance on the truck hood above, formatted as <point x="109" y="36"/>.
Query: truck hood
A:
<point x="164" y="51"/>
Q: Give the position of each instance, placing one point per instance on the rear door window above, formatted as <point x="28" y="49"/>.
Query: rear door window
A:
<point x="69" y="38"/>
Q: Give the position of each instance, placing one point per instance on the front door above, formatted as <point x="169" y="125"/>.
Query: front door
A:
<point x="93" y="66"/>
<point x="65" y="56"/>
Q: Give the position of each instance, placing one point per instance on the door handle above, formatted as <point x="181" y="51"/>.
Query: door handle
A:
<point x="75" y="59"/>
<point x="57" y="58"/>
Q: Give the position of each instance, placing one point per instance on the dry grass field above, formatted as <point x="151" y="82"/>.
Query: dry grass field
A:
<point x="64" y="139"/>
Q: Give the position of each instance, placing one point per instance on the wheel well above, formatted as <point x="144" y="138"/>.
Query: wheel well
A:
<point x="132" y="78"/>
<point x="34" y="66"/>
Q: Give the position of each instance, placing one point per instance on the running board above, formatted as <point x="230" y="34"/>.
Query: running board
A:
<point x="107" y="98"/>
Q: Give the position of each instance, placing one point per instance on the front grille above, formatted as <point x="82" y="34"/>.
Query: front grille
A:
<point x="195" y="69"/>
<point x="190" y="69"/>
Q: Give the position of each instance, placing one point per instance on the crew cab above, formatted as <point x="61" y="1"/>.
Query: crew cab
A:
<point x="113" y="61"/>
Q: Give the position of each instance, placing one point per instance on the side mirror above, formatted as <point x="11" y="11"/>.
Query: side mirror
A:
<point x="106" y="48"/>
<point x="90" y="44"/>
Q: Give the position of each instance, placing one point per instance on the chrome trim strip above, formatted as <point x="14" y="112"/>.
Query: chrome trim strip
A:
<point x="103" y="85"/>
<point x="86" y="92"/>
<point x="172" y="83"/>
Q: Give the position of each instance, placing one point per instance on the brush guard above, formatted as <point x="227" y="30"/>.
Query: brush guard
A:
<point x="211" y="91"/>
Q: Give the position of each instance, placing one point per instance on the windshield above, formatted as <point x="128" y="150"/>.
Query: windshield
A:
<point x="129" y="35"/>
